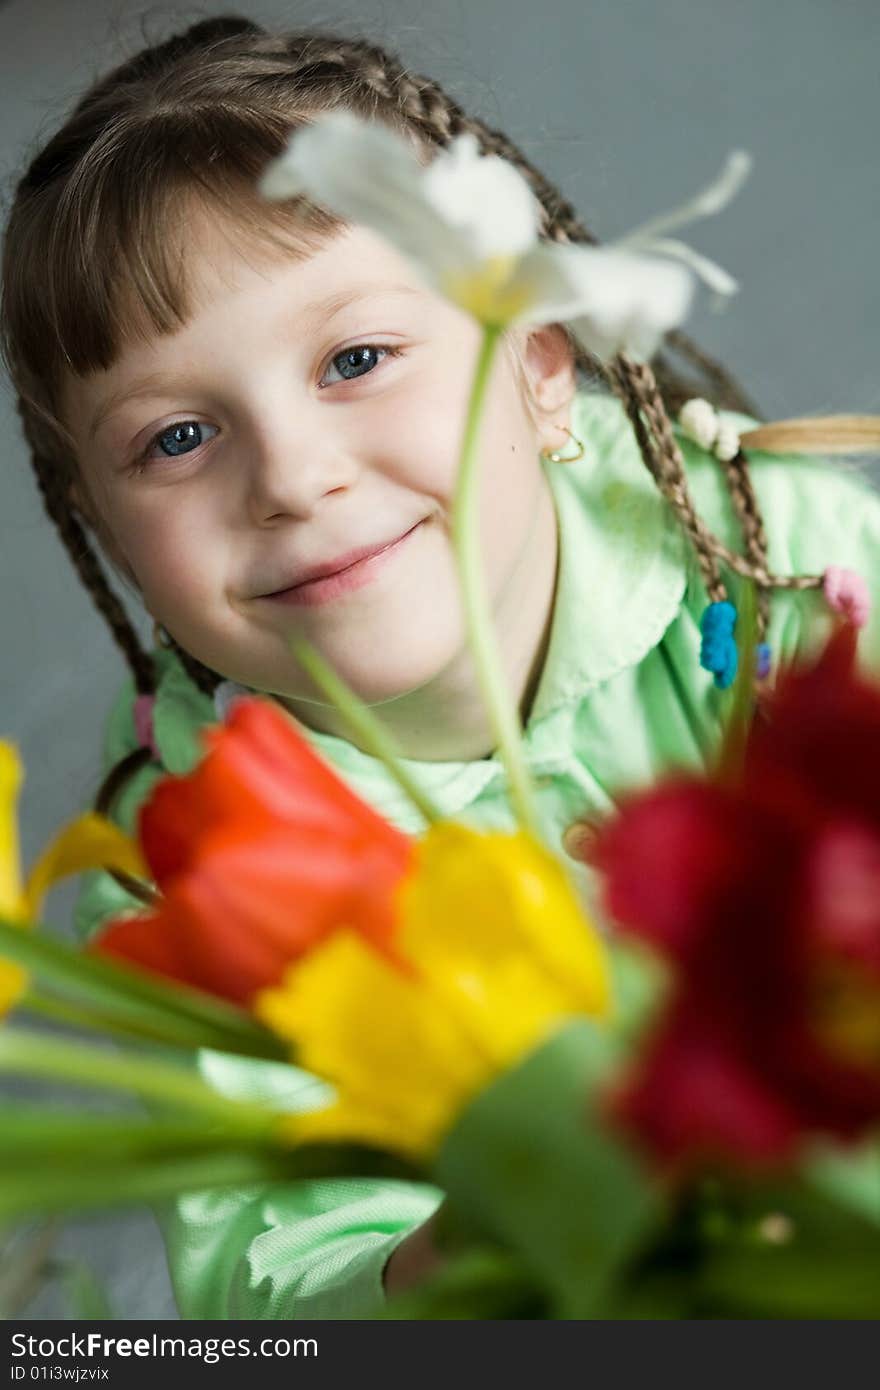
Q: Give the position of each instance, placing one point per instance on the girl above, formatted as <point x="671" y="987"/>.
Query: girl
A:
<point x="255" y="411"/>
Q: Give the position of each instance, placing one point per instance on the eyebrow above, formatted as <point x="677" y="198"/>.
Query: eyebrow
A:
<point x="158" y="382"/>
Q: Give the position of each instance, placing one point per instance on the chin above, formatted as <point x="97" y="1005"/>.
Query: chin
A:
<point x="390" y="682"/>
<point x="394" y="669"/>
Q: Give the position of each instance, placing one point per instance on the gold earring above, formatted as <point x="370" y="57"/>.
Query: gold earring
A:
<point x="160" y="636"/>
<point x="551" y="456"/>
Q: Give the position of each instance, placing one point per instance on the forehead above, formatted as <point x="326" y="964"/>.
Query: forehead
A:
<point x="219" y="262"/>
<point x="231" y="277"/>
<point x="226" y="271"/>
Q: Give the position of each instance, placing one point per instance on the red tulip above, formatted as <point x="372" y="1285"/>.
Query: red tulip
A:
<point x="259" y="852"/>
<point x="765" y="894"/>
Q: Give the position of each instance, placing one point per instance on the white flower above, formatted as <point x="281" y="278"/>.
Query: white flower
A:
<point x="469" y="223"/>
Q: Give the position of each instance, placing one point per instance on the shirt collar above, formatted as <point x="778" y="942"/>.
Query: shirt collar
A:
<point x="622" y="574"/>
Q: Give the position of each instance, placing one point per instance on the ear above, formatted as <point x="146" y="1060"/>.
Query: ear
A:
<point x="550" y="382"/>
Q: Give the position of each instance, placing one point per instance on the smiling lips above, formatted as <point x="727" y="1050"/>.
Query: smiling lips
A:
<point x="340" y="576"/>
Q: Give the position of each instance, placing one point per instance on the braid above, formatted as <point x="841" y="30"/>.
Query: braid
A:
<point x="88" y="567"/>
<point x="742" y="492"/>
<point x="635" y="384"/>
<point x="202" y="676"/>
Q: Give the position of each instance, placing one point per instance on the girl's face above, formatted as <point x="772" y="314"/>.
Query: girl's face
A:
<point x="309" y="410"/>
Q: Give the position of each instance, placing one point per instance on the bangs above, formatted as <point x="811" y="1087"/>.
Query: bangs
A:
<point x="117" y="235"/>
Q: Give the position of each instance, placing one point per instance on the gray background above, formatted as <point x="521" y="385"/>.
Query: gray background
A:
<point x="630" y="106"/>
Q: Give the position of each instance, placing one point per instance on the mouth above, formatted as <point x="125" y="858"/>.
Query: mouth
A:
<point x="324" y="588"/>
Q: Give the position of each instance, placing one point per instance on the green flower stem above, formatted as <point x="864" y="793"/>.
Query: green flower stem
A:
<point x="741" y="700"/>
<point x="138" y="1000"/>
<point x="121" y="1026"/>
<point x="361" y="720"/>
<point x="466" y="540"/>
<point x="32" y="1054"/>
<point x="151" y="1180"/>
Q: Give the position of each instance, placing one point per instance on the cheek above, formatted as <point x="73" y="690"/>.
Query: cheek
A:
<point x="511" y="478"/>
<point x="170" y="549"/>
<point x="427" y="438"/>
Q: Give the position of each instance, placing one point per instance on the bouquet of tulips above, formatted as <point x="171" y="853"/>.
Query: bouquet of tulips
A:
<point x="673" y="1113"/>
<point x="678" y="1119"/>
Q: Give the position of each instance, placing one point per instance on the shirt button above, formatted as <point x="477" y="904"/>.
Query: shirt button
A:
<point x="578" y="839"/>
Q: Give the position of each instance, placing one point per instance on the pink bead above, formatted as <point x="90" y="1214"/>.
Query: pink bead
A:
<point x="847" y="593"/>
<point x="143" y="724"/>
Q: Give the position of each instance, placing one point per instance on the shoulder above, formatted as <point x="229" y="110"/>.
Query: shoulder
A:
<point x="817" y="511"/>
<point x="180" y="712"/>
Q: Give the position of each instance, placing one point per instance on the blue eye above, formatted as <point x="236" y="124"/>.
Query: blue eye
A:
<point x="181" y="437"/>
<point x="359" y="360"/>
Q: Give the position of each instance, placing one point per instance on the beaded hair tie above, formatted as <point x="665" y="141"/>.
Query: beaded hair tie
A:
<point x="846" y="592"/>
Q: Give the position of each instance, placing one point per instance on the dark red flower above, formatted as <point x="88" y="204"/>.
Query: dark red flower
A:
<point x="764" y="892"/>
<point x="258" y="852"/>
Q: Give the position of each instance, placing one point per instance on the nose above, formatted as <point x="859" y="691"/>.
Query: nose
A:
<point x="292" y="470"/>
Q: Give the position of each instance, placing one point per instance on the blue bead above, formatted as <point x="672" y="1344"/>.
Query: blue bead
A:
<point x="762" y="660"/>
<point x="727" y="675"/>
<point x="718" y="652"/>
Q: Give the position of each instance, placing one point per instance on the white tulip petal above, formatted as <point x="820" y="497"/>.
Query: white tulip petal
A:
<point x="447" y="218"/>
<point x="555" y="278"/>
<point x="365" y="173"/>
<point x="710" y="200"/>
<point x="716" y="278"/>
<point x="630" y="307"/>
<point x="469" y="225"/>
<point x="484" y="196"/>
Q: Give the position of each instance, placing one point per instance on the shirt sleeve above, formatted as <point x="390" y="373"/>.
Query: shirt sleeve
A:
<point x="303" y="1249"/>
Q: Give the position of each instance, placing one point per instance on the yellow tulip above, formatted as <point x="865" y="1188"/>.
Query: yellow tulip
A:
<point x="495" y="954"/>
<point x="89" y="842"/>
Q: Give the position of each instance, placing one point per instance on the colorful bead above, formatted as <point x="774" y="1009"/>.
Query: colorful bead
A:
<point x="702" y="423"/>
<point x="143" y="724"/>
<point x="699" y="421"/>
<point x="718" y="649"/>
<point x="762" y="660"/>
<point x="847" y="593"/>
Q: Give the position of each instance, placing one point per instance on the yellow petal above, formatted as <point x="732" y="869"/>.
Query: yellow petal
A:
<point x="400" y="1064"/>
<point x="494" y="926"/>
<point x="90" y="842"/>
<point x="12" y="983"/>
<point x="502" y="954"/>
<point x="11" y="897"/>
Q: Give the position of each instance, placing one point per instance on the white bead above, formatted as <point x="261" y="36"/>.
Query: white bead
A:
<point x="699" y="420"/>
<point x="727" y="443"/>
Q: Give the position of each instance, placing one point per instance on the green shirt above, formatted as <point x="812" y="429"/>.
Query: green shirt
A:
<point x="622" y="699"/>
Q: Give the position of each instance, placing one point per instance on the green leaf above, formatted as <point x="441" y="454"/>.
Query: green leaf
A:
<point x="34" y="1054"/>
<point x="85" y="1294"/>
<point x="57" y="1161"/>
<point x="144" y="1181"/>
<point x="173" y="1013"/>
<point x="534" y="1166"/>
<point x="480" y="1284"/>
<point x="742" y="704"/>
<point x="795" y="1253"/>
<point x="850" y="1176"/>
